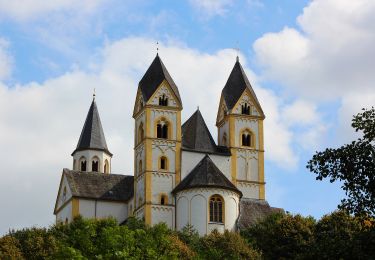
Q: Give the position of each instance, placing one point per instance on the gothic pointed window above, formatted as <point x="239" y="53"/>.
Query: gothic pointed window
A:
<point x="245" y="109"/>
<point x="141" y="133"/>
<point x="163" y="199"/>
<point x="165" y="131"/>
<point x="216" y="209"/>
<point x="163" y="100"/>
<point x="106" y="166"/>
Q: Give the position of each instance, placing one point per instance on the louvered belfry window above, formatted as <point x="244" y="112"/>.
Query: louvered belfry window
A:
<point x="216" y="209"/>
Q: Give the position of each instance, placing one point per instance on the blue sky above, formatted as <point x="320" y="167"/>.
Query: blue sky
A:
<point x="310" y="63"/>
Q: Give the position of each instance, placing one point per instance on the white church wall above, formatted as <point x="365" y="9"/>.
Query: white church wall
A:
<point x="162" y="183"/>
<point x="160" y="214"/>
<point x="163" y="89"/>
<point x="242" y="123"/>
<point x="163" y="148"/>
<point x="171" y="116"/>
<point x="89" y="155"/>
<point x="65" y="213"/>
<point x="193" y="208"/>
<point x="103" y="209"/>
<point x="247" y="165"/>
<point x="191" y="159"/>
<point x="140" y="191"/>
<point x="61" y="198"/>
<point x="223" y="129"/>
<point x="249" y="190"/>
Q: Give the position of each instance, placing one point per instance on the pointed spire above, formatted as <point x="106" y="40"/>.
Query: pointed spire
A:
<point x="153" y="77"/>
<point x="92" y="135"/>
<point x="196" y="136"/>
<point x="236" y="85"/>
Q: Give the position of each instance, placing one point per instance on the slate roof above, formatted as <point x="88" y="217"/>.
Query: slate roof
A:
<point x="197" y="137"/>
<point x="236" y="85"/>
<point x="100" y="186"/>
<point x="153" y="77"/>
<point x="92" y="135"/>
<point x="205" y="175"/>
<point x="253" y="210"/>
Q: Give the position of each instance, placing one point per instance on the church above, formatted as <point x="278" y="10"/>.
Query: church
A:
<point x="181" y="175"/>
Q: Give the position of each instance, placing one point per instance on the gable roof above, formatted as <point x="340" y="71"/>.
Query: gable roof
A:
<point x="153" y="77"/>
<point x="206" y="175"/>
<point x="236" y="85"/>
<point x="197" y="137"/>
<point x="100" y="186"/>
<point x="92" y="135"/>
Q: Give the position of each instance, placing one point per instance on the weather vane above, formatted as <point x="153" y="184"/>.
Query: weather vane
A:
<point x="93" y="95"/>
<point x="237" y="50"/>
<point x="157" y="47"/>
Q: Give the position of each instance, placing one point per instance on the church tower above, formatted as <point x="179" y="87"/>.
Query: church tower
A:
<point x="92" y="154"/>
<point x="157" y="145"/>
<point x="240" y="128"/>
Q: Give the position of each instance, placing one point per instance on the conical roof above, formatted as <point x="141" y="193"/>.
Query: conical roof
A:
<point x="92" y="135"/>
<point x="206" y="175"/>
<point x="196" y="136"/>
<point x="236" y="85"/>
<point x="153" y="77"/>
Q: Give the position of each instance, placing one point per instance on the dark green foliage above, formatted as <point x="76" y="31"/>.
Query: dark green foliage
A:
<point x="354" y="165"/>
<point x="282" y="236"/>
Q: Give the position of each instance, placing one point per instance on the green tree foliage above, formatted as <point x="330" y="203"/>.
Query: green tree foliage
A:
<point x="354" y="165"/>
<point x="282" y="236"/>
<point x="10" y="248"/>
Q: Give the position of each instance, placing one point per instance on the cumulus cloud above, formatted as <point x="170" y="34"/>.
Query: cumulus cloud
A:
<point x="22" y="10"/>
<point x="40" y="123"/>
<point x="330" y="58"/>
<point x="212" y="7"/>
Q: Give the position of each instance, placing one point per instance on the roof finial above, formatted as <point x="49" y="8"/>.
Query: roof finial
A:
<point x="93" y="95"/>
<point x="198" y="108"/>
<point x="157" y="48"/>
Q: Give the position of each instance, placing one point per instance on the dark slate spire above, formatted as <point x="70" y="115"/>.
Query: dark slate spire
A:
<point x="153" y="77"/>
<point x="206" y="175"/>
<point x="197" y="137"/>
<point x="236" y="85"/>
<point x="92" y="135"/>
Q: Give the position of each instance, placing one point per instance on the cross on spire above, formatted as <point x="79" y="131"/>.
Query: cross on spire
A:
<point x="93" y="95"/>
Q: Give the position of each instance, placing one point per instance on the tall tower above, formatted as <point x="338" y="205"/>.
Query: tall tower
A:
<point x="157" y="145"/>
<point x="92" y="154"/>
<point x="240" y="128"/>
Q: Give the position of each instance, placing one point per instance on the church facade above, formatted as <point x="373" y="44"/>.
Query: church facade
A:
<point x="181" y="175"/>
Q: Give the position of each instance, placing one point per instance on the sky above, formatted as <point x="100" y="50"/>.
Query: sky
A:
<point x="310" y="63"/>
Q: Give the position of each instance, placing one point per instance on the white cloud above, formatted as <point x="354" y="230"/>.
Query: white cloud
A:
<point x="212" y="7"/>
<point x="40" y="123"/>
<point x="329" y="59"/>
<point x="22" y="10"/>
<point x="6" y="60"/>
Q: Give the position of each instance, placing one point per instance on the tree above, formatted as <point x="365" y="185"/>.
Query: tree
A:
<point x="282" y="236"/>
<point x="354" y="165"/>
<point x="10" y="248"/>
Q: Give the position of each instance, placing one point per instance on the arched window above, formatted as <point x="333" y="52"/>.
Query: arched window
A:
<point x="74" y="164"/>
<point x="95" y="164"/>
<point x="163" y="100"/>
<point x="216" y="209"/>
<point x="106" y="166"/>
<point x="245" y="109"/>
<point x="140" y="167"/>
<point x="163" y="199"/>
<point x="224" y="139"/>
<point x="246" y="139"/>
<point x="141" y="133"/>
<point x="163" y="163"/>
<point x="162" y="129"/>
<point x="83" y="165"/>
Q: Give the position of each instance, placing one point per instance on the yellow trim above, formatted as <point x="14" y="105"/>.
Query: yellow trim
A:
<point x="262" y="187"/>
<point x="178" y="155"/>
<point x="165" y="82"/>
<point x="75" y="207"/>
<point x="234" y="166"/>
<point x="247" y="91"/>
<point x="232" y="133"/>
<point x="178" y="126"/>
